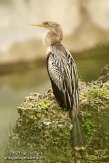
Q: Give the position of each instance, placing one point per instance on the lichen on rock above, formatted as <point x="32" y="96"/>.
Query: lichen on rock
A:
<point x="44" y="127"/>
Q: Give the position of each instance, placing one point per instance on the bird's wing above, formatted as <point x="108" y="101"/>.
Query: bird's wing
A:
<point x="74" y="78"/>
<point x="61" y="73"/>
<point x="55" y="69"/>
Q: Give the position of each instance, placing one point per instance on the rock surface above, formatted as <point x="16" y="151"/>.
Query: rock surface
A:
<point x="104" y="74"/>
<point x="86" y="26"/>
<point x="43" y="127"/>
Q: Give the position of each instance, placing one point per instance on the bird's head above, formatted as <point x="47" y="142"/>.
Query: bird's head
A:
<point x="49" y="25"/>
<point x="54" y="34"/>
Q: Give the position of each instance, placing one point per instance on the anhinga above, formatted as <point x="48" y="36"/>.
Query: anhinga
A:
<point x="63" y="75"/>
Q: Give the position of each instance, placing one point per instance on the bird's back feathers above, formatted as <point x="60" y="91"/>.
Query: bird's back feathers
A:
<point x="63" y="75"/>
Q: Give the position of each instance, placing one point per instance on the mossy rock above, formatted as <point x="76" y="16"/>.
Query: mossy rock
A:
<point x="104" y="74"/>
<point x="43" y="127"/>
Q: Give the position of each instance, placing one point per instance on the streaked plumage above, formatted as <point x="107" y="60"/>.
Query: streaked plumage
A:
<point x="64" y="80"/>
<point x="63" y="75"/>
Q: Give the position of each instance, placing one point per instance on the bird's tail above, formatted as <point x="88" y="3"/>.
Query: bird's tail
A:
<point x="77" y="135"/>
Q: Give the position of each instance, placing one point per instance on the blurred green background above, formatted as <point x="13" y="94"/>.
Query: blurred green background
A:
<point x="22" y="55"/>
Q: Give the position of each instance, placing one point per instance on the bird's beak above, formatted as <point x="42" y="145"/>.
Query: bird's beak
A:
<point x="39" y="25"/>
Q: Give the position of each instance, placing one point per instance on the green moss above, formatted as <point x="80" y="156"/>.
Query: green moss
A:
<point x="88" y="126"/>
<point x="44" y="127"/>
<point x="94" y="93"/>
<point x="91" y="159"/>
<point x="44" y="104"/>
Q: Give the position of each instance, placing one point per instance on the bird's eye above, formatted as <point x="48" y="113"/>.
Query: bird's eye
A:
<point x="45" y="23"/>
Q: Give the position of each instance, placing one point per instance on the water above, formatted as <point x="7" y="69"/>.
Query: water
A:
<point x="13" y="88"/>
<point x="91" y="62"/>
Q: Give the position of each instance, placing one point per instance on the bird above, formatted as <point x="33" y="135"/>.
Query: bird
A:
<point x="63" y="74"/>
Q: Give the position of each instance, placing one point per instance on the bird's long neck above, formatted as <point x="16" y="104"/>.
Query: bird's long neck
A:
<point x="52" y="37"/>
